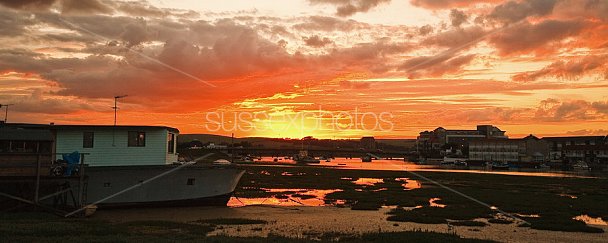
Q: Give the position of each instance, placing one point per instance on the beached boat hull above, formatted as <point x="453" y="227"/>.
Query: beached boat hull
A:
<point x="187" y="186"/>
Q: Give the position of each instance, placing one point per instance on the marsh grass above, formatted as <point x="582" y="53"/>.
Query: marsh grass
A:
<point x="500" y="221"/>
<point x="468" y="223"/>
<point x="166" y="227"/>
<point x="410" y="236"/>
<point x="230" y="221"/>
<point x="41" y="227"/>
<point x="554" y="223"/>
<point x="512" y="194"/>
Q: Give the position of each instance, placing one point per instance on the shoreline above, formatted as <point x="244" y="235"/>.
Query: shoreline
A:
<point x="410" y="167"/>
<point x="313" y="222"/>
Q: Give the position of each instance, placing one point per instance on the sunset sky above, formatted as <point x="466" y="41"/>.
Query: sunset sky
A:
<point x="325" y="68"/>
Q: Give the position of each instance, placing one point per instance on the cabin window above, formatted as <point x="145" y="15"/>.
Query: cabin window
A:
<point x="190" y="182"/>
<point x="44" y="147"/>
<point x="24" y="146"/>
<point x="5" y="146"/>
<point x="87" y="139"/>
<point x="171" y="143"/>
<point x="137" y="139"/>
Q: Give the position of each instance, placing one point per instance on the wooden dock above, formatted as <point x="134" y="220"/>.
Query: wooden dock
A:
<point x="26" y="183"/>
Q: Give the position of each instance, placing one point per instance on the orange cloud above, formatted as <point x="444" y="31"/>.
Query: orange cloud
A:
<point x="442" y="4"/>
<point x="516" y="63"/>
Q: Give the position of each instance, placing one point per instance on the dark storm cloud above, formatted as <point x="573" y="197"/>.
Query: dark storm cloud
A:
<point x="84" y="6"/>
<point x="66" y="6"/>
<point x="513" y="11"/>
<point x="569" y="70"/>
<point x="601" y="106"/>
<point x="28" y="4"/>
<point x="527" y="37"/>
<point x="458" y="17"/>
<point x="345" y="8"/>
<point x="455" y="37"/>
<point x="324" y="23"/>
<point x="13" y="23"/>
<point x="316" y="41"/>
<point x="443" y="4"/>
<point x="435" y="66"/>
<point x="557" y="110"/>
<point x="425" y="30"/>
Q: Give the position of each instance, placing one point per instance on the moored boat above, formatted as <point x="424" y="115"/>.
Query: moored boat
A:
<point x="499" y="166"/>
<point x="304" y="158"/>
<point x="193" y="185"/>
<point x="454" y="164"/>
<point x="581" y="166"/>
<point x="131" y="165"/>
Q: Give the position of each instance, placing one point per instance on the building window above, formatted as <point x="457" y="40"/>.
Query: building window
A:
<point x="137" y="139"/>
<point x="190" y="182"/>
<point x="5" y="146"/>
<point x="87" y="139"/>
<point x="171" y="143"/>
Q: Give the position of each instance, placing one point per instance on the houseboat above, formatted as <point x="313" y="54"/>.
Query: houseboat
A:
<point x="120" y="157"/>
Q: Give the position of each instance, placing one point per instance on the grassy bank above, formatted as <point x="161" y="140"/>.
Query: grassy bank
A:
<point x="550" y="203"/>
<point x="40" y="227"/>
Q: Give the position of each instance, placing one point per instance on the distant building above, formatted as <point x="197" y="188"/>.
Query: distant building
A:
<point x="368" y="143"/>
<point x="594" y="155"/>
<point x="216" y="146"/>
<point x="429" y="143"/>
<point x="528" y="149"/>
<point x="533" y="149"/>
<point x="557" y="145"/>
<point x="491" y="149"/>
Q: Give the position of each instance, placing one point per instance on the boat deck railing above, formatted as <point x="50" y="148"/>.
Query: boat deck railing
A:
<point x="26" y="171"/>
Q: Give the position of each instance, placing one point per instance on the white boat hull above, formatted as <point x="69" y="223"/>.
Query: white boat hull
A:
<point x="187" y="186"/>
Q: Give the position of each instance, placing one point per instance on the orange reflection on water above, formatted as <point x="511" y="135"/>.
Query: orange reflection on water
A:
<point x="409" y="183"/>
<point x="287" y="197"/>
<point x="590" y="220"/>
<point x="433" y="203"/>
<point x="368" y="181"/>
<point x="528" y="215"/>
<point x="568" y="195"/>
<point x="400" y="165"/>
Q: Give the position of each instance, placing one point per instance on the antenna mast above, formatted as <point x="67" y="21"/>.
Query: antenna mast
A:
<point x="115" y="107"/>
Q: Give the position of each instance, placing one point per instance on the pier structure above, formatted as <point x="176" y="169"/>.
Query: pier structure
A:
<point x="42" y="184"/>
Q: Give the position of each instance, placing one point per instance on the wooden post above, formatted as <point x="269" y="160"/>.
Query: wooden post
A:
<point x="81" y="182"/>
<point x="37" y="186"/>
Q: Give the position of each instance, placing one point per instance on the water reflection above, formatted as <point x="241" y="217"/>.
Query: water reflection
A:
<point x="286" y="197"/>
<point x="400" y="165"/>
<point x="368" y="181"/>
<point x="409" y="183"/>
<point x="433" y="203"/>
<point x="411" y="208"/>
<point x="591" y="220"/>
